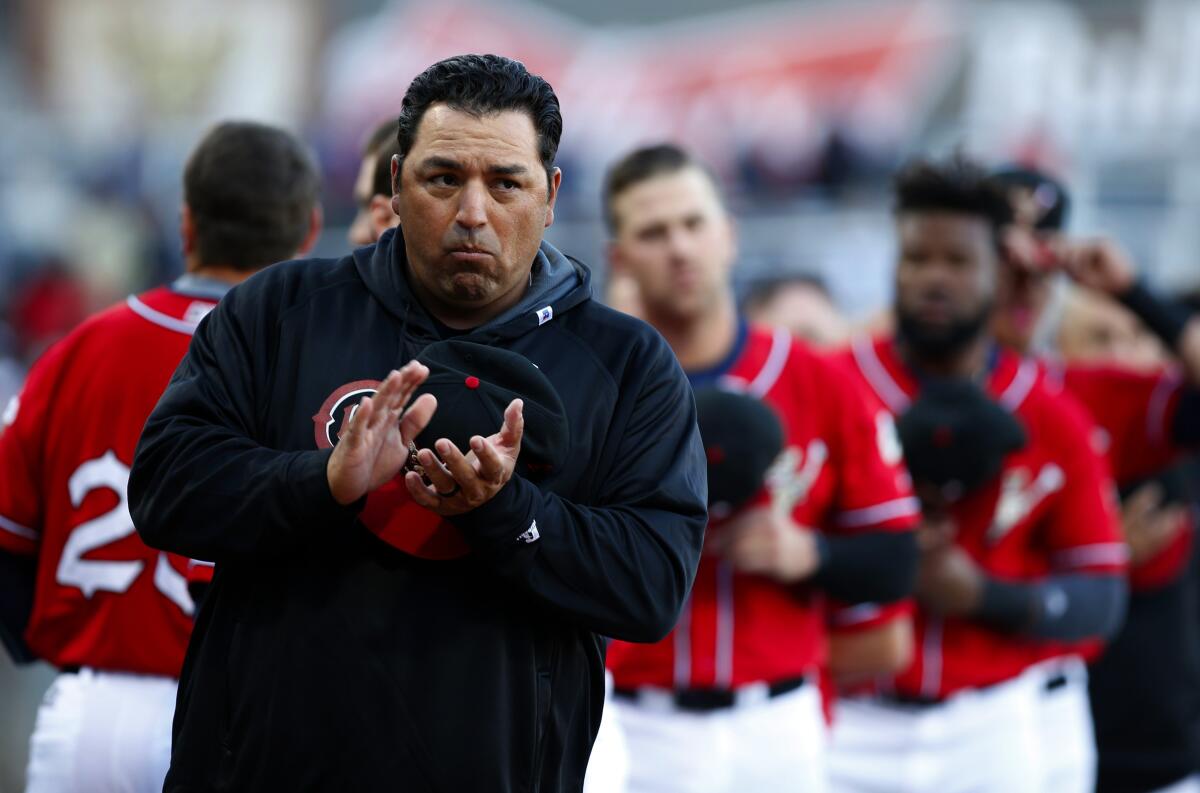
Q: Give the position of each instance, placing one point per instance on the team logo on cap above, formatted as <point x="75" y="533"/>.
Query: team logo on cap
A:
<point x="334" y="416"/>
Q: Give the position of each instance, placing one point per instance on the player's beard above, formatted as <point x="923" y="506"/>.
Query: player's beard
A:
<point x="937" y="343"/>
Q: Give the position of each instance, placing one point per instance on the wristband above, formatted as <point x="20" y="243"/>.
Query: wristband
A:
<point x="1007" y="605"/>
<point x="1166" y="319"/>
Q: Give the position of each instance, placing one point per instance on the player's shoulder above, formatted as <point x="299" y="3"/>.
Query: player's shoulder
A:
<point x="1054" y="414"/>
<point x="294" y="282"/>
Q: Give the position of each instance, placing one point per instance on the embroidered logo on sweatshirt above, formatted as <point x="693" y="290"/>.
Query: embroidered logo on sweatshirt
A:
<point x="531" y="534"/>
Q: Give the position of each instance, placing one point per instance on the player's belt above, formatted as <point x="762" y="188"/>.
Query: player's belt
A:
<point x="710" y="699"/>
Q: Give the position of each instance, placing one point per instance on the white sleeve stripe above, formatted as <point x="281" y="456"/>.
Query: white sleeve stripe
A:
<point x="906" y="507"/>
<point x="12" y="527"/>
<point x="1022" y="383"/>
<point x="200" y="563"/>
<point x="1106" y="553"/>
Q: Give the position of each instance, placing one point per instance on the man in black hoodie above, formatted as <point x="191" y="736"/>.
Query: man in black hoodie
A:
<point x="465" y="652"/>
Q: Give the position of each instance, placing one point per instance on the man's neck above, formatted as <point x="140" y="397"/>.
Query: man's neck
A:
<point x="218" y="272"/>
<point x="969" y="361"/>
<point x="700" y="342"/>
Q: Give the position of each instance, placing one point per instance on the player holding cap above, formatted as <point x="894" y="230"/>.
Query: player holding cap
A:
<point x="1021" y="548"/>
<point x="1145" y="420"/>
<point x="393" y="610"/>
<point x="730" y="701"/>
<point x="111" y="613"/>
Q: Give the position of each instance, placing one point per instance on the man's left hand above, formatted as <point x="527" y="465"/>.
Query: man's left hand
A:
<point x="764" y="542"/>
<point x="949" y="582"/>
<point x="461" y="482"/>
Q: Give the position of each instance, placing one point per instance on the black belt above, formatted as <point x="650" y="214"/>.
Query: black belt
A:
<point x="710" y="699"/>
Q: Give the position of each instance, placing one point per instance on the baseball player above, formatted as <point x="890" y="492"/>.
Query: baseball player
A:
<point x="729" y="701"/>
<point x="112" y="614"/>
<point x="373" y="186"/>
<point x="1144" y="420"/>
<point x="1020" y="544"/>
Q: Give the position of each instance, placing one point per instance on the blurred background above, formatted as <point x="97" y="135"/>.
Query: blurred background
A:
<point x="803" y="108"/>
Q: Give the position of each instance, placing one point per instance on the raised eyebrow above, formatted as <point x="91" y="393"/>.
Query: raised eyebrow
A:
<point x="508" y="170"/>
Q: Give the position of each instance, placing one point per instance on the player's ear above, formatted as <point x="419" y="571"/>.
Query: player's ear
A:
<point x="397" y="164"/>
<point x="315" y="222"/>
<point x="555" y="183"/>
<point x="187" y="231"/>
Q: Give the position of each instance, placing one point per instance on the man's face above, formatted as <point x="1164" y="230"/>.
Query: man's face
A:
<point x="1096" y="330"/>
<point x="945" y="279"/>
<point x="473" y="202"/>
<point x="375" y="214"/>
<point x="675" y="241"/>
<point x="807" y="313"/>
<point x="1024" y="278"/>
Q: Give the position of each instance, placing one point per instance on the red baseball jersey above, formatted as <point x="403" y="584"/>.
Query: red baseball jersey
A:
<point x="102" y="599"/>
<point x="839" y="472"/>
<point x="1051" y="510"/>
<point x="1133" y="412"/>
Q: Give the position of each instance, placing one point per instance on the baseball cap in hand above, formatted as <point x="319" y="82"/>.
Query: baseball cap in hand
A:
<point x="955" y="437"/>
<point x="742" y="437"/>
<point x="474" y="384"/>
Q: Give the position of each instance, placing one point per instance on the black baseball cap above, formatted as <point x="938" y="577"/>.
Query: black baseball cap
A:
<point x="1053" y="200"/>
<point x="742" y="437"/>
<point x="955" y="437"/>
<point x="475" y="383"/>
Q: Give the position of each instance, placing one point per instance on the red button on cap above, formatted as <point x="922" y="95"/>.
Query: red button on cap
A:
<point x="472" y="382"/>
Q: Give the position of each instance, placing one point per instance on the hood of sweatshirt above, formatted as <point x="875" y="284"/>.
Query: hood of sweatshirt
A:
<point x="558" y="284"/>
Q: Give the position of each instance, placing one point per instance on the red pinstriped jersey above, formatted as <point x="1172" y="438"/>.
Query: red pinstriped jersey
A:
<point x="103" y="599"/>
<point x="1133" y="412"/>
<point x="1051" y="510"/>
<point x="839" y="473"/>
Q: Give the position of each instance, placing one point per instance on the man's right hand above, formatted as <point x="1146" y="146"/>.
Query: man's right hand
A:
<point x="1149" y="524"/>
<point x="374" y="447"/>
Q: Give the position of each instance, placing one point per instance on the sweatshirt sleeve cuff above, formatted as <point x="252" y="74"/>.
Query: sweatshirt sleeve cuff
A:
<point x="507" y="521"/>
<point x="312" y="501"/>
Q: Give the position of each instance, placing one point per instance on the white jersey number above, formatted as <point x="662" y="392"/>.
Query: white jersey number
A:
<point x="91" y="576"/>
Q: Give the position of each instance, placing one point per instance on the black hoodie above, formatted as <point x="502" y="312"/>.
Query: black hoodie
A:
<point x="324" y="659"/>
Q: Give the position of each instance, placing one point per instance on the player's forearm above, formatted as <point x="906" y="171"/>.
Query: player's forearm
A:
<point x="17" y="579"/>
<point x="875" y="567"/>
<point x="206" y="493"/>
<point x="623" y="572"/>
<point x="1060" y="608"/>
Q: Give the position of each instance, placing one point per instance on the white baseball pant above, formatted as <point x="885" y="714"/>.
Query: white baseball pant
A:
<point x="102" y="732"/>
<point x="762" y="745"/>
<point x="977" y="741"/>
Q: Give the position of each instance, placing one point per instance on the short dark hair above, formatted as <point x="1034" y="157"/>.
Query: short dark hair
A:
<point x="482" y="85"/>
<point x="957" y="184"/>
<point x="251" y="190"/>
<point x="382" y="146"/>
<point x="642" y="165"/>
<point x="763" y="290"/>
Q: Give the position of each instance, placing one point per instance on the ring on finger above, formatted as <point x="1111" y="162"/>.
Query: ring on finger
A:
<point x="454" y="491"/>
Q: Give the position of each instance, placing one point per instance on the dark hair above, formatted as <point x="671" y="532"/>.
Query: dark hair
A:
<point x="641" y="165"/>
<point x="763" y="290"/>
<point x="954" y="185"/>
<point x="251" y="190"/>
<point x="482" y="85"/>
<point x="382" y="146"/>
<point x="1049" y="193"/>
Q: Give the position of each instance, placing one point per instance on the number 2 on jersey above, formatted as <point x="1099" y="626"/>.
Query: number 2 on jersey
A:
<point x="91" y="575"/>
